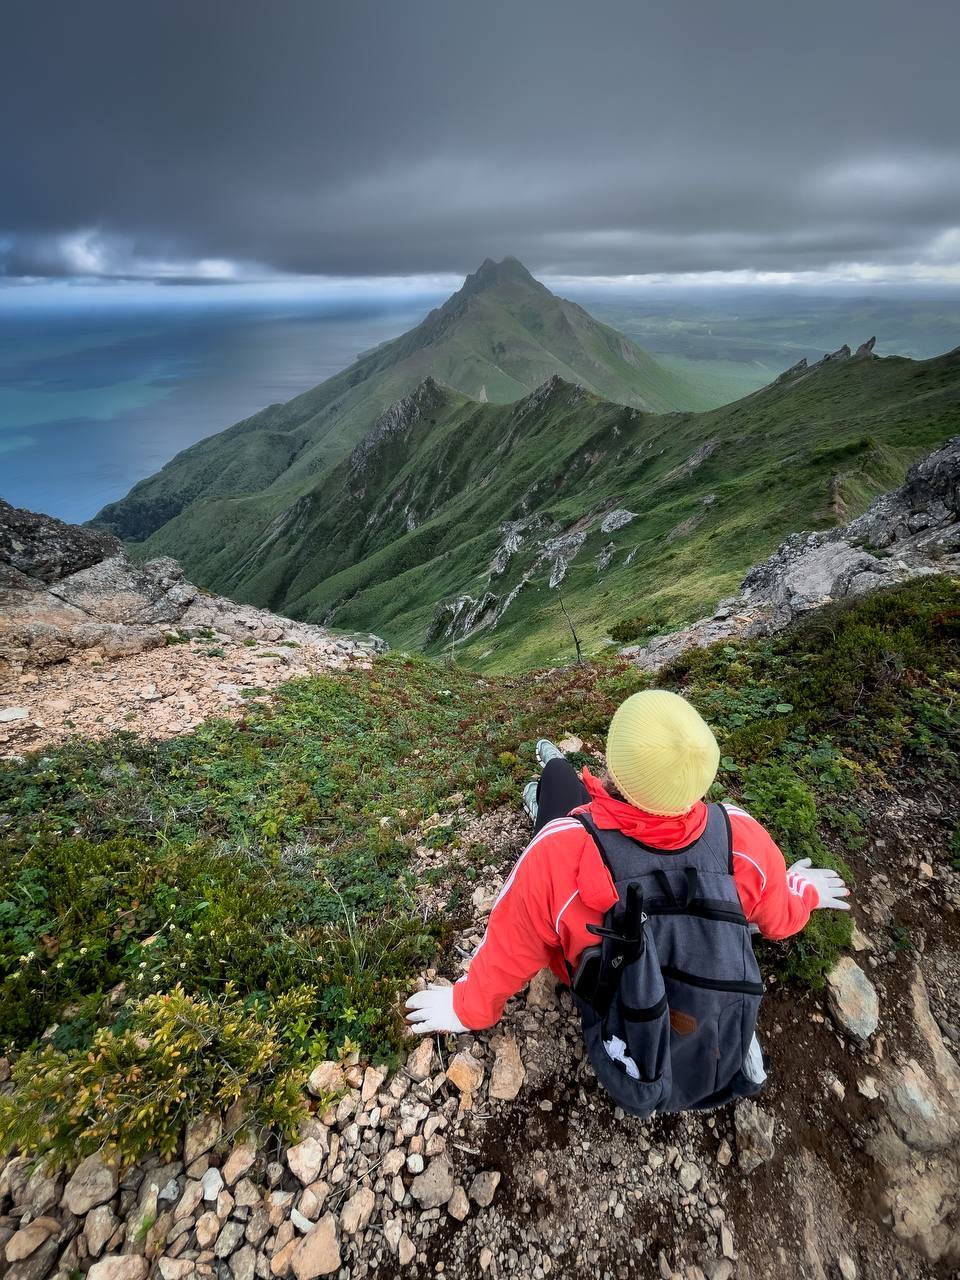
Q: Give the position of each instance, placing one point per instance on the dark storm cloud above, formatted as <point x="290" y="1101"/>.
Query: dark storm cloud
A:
<point x="170" y="137"/>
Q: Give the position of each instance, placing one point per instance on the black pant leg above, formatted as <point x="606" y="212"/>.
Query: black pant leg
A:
<point x="558" y="791"/>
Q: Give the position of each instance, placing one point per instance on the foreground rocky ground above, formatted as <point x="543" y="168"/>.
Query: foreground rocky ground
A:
<point x="495" y="1154"/>
<point x="158" y="693"/>
<point x="91" y="642"/>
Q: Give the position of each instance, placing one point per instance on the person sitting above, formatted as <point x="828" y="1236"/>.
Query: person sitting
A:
<point x="639" y="866"/>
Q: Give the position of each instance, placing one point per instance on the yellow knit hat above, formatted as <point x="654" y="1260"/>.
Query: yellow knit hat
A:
<point x="661" y="753"/>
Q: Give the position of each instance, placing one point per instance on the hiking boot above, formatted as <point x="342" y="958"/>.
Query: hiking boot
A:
<point x="530" y="799"/>
<point x="546" y="752"/>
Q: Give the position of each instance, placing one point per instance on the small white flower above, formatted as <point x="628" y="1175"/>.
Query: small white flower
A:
<point x="83" y="951"/>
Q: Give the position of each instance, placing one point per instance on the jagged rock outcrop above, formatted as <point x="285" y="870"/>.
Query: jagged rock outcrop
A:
<point x="397" y="420"/>
<point x="842" y="353"/>
<point x="802" y="367"/>
<point x="794" y="371"/>
<point x="560" y="551"/>
<point x="616" y="519"/>
<point x="66" y="589"/>
<point x="513" y="534"/>
<point x="911" y="531"/>
<point x="455" y="619"/>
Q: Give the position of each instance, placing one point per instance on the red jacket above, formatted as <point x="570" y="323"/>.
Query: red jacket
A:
<point x="560" y="885"/>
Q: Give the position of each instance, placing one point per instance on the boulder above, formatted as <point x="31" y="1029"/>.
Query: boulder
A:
<point x="99" y="1226"/>
<point x="29" y="1238"/>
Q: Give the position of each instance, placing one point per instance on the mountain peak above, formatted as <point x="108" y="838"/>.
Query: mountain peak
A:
<point x="490" y="274"/>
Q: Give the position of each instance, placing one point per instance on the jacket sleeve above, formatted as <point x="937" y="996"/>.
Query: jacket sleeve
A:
<point x="778" y="903"/>
<point x="520" y="939"/>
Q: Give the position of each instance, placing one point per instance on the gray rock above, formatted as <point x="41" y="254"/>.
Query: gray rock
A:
<point x="917" y="525"/>
<point x="754" y="1135"/>
<point x="243" y="1264"/>
<point x="93" y="1183"/>
<point x="434" y="1187"/>
<point x="38" y="1265"/>
<point x="617" y="519"/>
<point x="65" y="589"/>
<point x="211" y="1184"/>
<point x="483" y="1188"/>
<point x="229" y="1239"/>
<point x="852" y="999"/>
<point x="46" y="549"/>
<point x="99" y="1226"/>
<point x="120" y="1266"/>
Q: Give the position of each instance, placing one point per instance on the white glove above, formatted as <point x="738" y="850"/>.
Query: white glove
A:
<point x="432" y="1010"/>
<point x="829" y="885"/>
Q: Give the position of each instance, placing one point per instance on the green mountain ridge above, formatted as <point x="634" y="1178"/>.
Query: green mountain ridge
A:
<point x="455" y="522"/>
<point x="496" y="339"/>
<point x="451" y="521"/>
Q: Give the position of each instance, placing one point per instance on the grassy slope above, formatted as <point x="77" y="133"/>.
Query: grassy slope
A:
<point x="501" y="335"/>
<point x="246" y="892"/>
<point x="809" y="453"/>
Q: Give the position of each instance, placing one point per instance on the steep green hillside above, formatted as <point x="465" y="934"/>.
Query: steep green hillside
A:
<point x="500" y="336"/>
<point x="495" y="505"/>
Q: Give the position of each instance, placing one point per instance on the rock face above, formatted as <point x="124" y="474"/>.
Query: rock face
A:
<point x="912" y="531"/>
<point x="66" y="589"/>
<point x="916" y="1143"/>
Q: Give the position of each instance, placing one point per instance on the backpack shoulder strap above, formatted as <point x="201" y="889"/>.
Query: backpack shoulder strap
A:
<point x="593" y="831"/>
<point x="717" y="838"/>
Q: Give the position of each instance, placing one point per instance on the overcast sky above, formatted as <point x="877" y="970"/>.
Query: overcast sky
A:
<point x="236" y="139"/>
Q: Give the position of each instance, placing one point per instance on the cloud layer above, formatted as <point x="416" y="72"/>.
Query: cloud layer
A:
<point x="233" y="140"/>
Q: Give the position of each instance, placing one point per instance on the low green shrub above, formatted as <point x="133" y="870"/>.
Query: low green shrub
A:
<point x="172" y="1057"/>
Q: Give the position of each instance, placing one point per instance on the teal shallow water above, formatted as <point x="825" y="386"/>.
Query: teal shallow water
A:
<point x="91" y="402"/>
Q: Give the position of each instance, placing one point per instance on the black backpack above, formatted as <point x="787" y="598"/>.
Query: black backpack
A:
<point x="668" y="999"/>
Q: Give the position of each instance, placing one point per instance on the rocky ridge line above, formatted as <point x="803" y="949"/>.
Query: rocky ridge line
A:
<point x="907" y="533"/>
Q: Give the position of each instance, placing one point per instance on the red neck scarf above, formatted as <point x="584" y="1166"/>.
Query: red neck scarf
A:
<point x="649" y="828"/>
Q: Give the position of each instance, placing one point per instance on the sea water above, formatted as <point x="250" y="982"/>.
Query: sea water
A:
<point x="94" y="398"/>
